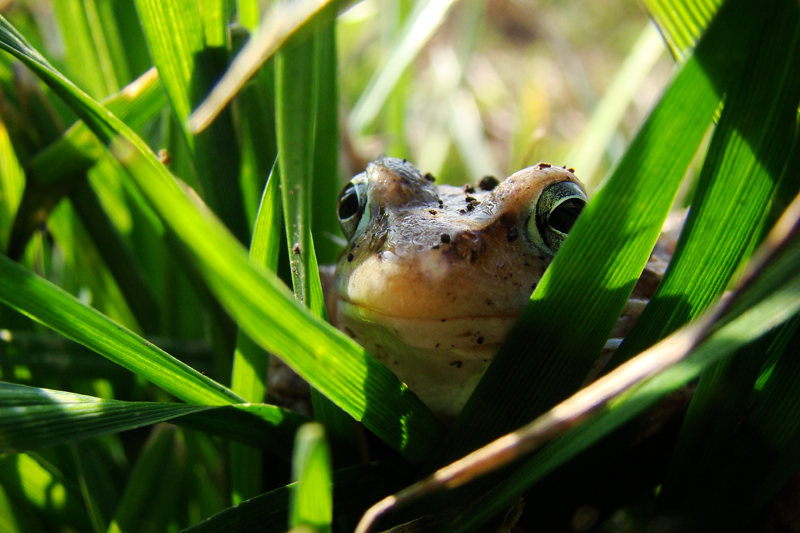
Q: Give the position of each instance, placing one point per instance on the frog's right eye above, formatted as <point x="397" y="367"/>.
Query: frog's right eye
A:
<point x="351" y="207"/>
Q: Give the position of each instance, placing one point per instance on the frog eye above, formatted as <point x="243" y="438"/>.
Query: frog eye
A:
<point x="351" y="206"/>
<point x="556" y="211"/>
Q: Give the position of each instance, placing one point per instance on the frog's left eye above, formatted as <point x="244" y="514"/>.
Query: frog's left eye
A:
<point x="352" y="205"/>
<point x="556" y="211"/>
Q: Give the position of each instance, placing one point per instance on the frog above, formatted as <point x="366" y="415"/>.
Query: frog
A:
<point x="433" y="277"/>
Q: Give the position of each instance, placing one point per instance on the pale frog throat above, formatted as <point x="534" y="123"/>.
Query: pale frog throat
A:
<point x="434" y="277"/>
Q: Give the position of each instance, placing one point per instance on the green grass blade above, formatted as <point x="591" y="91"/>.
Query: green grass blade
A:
<point x="49" y="305"/>
<point x="296" y="67"/>
<point x="36" y="418"/>
<point x="311" y="502"/>
<point x="544" y="359"/>
<point x="262" y="306"/>
<point x="12" y="182"/>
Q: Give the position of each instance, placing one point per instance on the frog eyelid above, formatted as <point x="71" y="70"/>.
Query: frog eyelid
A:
<point x="557" y="208"/>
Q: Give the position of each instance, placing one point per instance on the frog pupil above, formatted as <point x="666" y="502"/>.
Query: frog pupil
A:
<point x="565" y="214"/>
<point x="348" y="204"/>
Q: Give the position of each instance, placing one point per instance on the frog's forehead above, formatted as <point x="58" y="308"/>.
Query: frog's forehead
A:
<point x="395" y="183"/>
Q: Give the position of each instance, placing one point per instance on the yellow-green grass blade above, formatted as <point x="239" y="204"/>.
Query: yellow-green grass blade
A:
<point x="12" y="182"/>
<point x="546" y="357"/>
<point x="261" y="304"/>
<point x="188" y="45"/>
<point x="765" y="301"/>
<point x="743" y="167"/>
<point x="311" y="498"/>
<point x="296" y="66"/>
<point x="250" y="361"/>
<point x="57" y="169"/>
<point x="13" y="518"/>
<point x="682" y="22"/>
<point x="354" y="489"/>
<point x="51" y="306"/>
<point x="419" y="28"/>
<point x="29" y="478"/>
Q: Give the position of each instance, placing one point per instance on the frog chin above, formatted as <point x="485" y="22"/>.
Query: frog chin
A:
<point x="441" y="360"/>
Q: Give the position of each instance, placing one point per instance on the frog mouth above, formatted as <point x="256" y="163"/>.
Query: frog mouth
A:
<point x="464" y="333"/>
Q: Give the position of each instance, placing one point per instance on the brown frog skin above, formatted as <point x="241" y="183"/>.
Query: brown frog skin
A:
<point x="434" y="277"/>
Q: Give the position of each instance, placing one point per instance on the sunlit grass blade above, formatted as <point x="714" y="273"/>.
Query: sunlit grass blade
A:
<point x="35" y="418"/>
<point x="682" y="22"/>
<point x="51" y="306"/>
<point x="742" y="169"/>
<point x="311" y="500"/>
<point x="419" y="27"/>
<point x="57" y="169"/>
<point x="12" y="182"/>
<point x="190" y="52"/>
<point x="544" y="359"/>
<point x="299" y="18"/>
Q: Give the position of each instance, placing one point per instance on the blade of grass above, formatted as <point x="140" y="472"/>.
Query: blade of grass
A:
<point x="353" y="489"/>
<point x="743" y="167"/>
<point x="311" y="500"/>
<point x="420" y="26"/>
<point x="296" y="69"/>
<point x="682" y="22"/>
<point x="545" y="358"/>
<point x="260" y="302"/>
<point x="51" y="306"/>
<point x="285" y="20"/>
<point x="250" y="361"/>
<point x="190" y="52"/>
